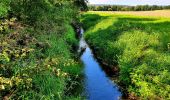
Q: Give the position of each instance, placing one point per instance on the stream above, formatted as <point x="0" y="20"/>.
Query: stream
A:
<point x="97" y="84"/>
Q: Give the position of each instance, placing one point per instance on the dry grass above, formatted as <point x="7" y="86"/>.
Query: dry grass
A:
<point x="157" y="13"/>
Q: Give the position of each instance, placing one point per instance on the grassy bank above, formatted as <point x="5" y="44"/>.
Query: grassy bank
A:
<point x="138" y="45"/>
<point x="37" y="51"/>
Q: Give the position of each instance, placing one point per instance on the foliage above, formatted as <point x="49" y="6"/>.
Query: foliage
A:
<point x="4" y="7"/>
<point x="138" y="45"/>
<point x="36" y="58"/>
<point x="126" y="8"/>
<point x="82" y="4"/>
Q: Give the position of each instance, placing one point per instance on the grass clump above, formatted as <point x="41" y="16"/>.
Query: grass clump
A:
<point x="139" y="46"/>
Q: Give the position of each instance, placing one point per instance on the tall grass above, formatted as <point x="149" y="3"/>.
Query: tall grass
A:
<point x="138" y="45"/>
<point x="36" y="52"/>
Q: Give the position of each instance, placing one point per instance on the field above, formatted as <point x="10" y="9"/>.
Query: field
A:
<point x="156" y="13"/>
<point x="138" y="43"/>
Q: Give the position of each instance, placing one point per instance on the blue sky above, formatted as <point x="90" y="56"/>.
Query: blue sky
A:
<point x="131" y="2"/>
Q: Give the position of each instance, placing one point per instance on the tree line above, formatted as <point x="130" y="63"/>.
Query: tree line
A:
<point x="126" y="8"/>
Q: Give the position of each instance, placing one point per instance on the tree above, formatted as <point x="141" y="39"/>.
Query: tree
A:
<point x="82" y="4"/>
<point x="128" y="8"/>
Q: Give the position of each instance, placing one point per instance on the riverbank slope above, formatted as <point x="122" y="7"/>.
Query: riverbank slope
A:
<point x="38" y="51"/>
<point x="138" y="46"/>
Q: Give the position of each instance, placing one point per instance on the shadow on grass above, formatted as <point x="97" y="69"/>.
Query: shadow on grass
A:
<point x="135" y="64"/>
<point x="91" y="20"/>
<point x="103" y="38"/>
<point x="138" y="19"/>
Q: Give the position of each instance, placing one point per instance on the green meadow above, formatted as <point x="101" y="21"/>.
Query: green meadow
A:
<point x="138" y="45"/>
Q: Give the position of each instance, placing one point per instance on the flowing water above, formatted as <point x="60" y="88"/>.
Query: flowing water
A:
<point x="98" y="86"/>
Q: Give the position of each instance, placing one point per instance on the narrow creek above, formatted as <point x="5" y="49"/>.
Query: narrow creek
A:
<point x="98" y="86"/>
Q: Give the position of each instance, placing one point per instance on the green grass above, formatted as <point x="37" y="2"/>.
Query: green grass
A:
<point x="38" y="50"/>
<point x="38" y="58"/>
<point x="138" y="45"/>
<point x="45" y="67"/>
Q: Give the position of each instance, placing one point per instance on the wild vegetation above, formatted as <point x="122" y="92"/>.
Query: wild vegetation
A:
<point x="37" y="43"/>
<point x="138" y="46"/>
<point x="126" y="8"/>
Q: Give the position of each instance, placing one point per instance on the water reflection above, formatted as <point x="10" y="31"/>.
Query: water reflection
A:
<point x="98" y="86"/>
